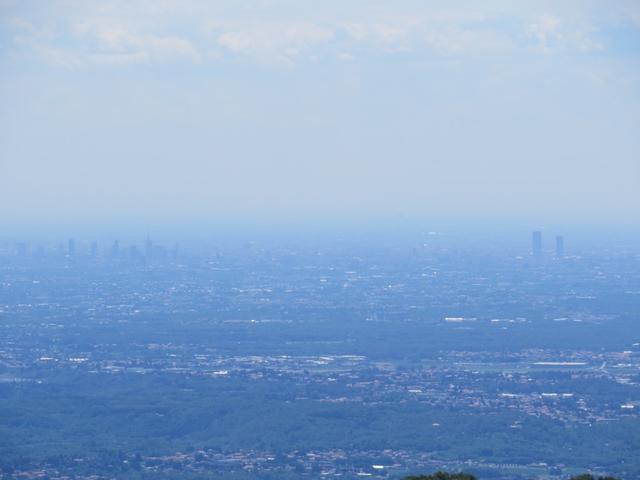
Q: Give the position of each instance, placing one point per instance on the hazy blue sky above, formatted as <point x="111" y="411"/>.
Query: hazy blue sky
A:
<point x="149" y="109"/>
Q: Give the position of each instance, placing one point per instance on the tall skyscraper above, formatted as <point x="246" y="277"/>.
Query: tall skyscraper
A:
<point x="115" y="248"/>
<point x="536" y="244"/>
<point x="559" y="246"/>
<point x="71" y="248"/>
<point x="148" y="248"/>
<point x="94" y="249"/>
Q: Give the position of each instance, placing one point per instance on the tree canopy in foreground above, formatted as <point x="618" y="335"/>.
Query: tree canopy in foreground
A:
<point x="442" y="476"/>
<point x="466" y="476"/>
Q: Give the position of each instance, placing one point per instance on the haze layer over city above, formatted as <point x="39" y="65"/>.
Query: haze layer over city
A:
<point x="302" y="240"/>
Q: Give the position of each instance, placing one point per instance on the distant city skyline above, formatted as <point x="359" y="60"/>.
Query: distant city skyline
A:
<point x="148" y="249"/>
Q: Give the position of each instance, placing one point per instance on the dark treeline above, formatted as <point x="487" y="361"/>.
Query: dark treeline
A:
<point x="466" y="476"/>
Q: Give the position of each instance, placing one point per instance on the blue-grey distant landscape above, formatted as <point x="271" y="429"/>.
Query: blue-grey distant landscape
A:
<point x="301" y="240"/>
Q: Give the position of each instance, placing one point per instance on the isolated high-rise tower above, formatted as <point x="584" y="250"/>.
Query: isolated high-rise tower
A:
<point x="148" y="248"/>
<point x="115" y="248"/>
<point x="536" y="244"/>
<point x="559" y="246"/>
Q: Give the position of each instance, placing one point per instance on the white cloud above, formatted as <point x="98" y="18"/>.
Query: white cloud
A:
<point x="273" y="32"/>
<point x="118" y="40"/>
<point x="550" y="34"/>
<point x="280" y="42"/>
<point x="445" y="33"/>
<point x="453" y="41"/>
<point x="388" y="31"/>
<point x="93" y="41"/>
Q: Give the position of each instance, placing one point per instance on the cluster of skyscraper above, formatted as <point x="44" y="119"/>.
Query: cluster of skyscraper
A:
<point x="71" y="250"/>
<point x="536" y="245"/>
<point x="150" y="250"/>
